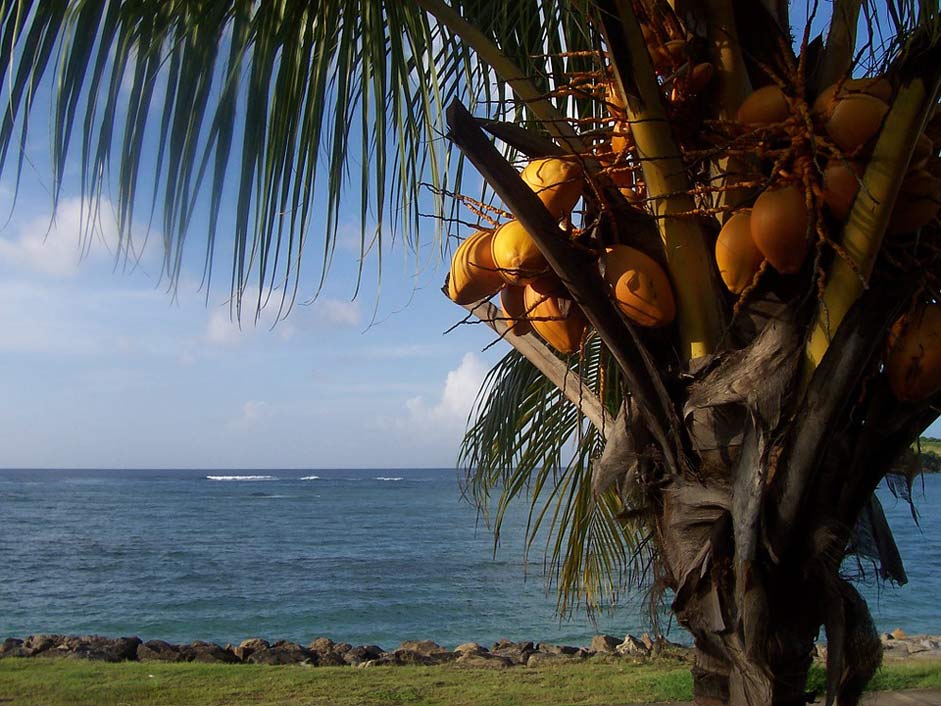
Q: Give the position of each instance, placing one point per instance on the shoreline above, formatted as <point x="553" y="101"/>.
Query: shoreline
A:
<point x="324" y="652"/>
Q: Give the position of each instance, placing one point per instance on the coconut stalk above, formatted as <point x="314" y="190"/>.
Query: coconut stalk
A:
<point x="863" y="233"/>
<point x="698" y="300"/>
<point x="550" y="365"/>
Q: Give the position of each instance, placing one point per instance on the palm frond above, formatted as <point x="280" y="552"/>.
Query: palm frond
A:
<point x="528" y="441"/>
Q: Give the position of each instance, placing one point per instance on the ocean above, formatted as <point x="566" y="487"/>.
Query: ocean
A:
<point x="364" y="556"/>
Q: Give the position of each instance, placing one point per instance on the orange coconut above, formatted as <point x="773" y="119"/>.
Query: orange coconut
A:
<point x="876" y="86"/>
<point x="513" y="310"/>
<point x="913" y="362"/>
<point x="917" y="204"/>
<point x="855" y="120"/>
<point x="737" y="256"/>
<point x="515" y="254"/>
<point x="557" y="319"/>
<point x="641" y="288"/>
<point x="765" y="106"/>
<point x="841" y="181"/>
<point x="473" y="273"/>
<point x="558" y="183"/>
<point x="779" y="222"/>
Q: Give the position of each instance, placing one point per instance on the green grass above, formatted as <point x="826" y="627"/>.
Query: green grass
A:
<point x="63" y="682"/>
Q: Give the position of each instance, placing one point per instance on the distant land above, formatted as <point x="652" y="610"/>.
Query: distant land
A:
<point x="930" y="454"/>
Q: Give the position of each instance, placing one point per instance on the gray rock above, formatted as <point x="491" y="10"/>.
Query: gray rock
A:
<point x="12" y="647"/>
<point x="37" y="644"/>
<point x="362" y="653"/>
<point x="422" y="647"/>
<point x="321" y="644"/>
<point x="516" y="652"/>
<point x="330" y="659"/>
<point x="159" y="651"/>
<point x="633" y="647"/>
<point x="95" y="647"/>
<point x="207" y="652"/>
<point x="470" y="647"/>
<point x="482" y="660"/>
<point x="550" y="649"/>
<point x="282" y="652"/>
<point x="342" y="647"/>
<point x="541" y="659"/>
<point x="604" y="643"/>
<point x="249" y="646"/>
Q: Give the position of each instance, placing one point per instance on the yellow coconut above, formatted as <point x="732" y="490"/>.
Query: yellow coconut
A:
<point x="779" y="222"/>
<point x="876" y="86"/>
<point x="557" y="319"/>
<point x="737" y="255"/>
<point x="841" y="180"/>
<point x="513" y="310"/>
<point x="855" y="120"/>
<point x="917" y="204"/>
<point x="516" y="255"/>
<point x="765" y="106"/>
<point x="913" y="362"/>
<point x="473" y="273"/>
<point x="641" y="288"/>
<point x="558" y="182"/>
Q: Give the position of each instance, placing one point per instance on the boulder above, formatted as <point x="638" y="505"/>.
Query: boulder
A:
<point x="541" y="659"/>
<point x="516" y="652"/>
<point x="12" y="647"/>
<point x="363" y="653"/>
<point x="604" y="643"/>
<point x="633" y="647"/>
<point x="249" y="646"/>
<point x="321" y="644"/>
<point x="422" y="647"/>
<point x="37" y="644"/>
<point x="95" y="647"/>
<point x="482" y="660"/>
<point x="281" y="652"/>
<point x="159" y="651"/>
<point x="898" y="634"/>
<point x="550" y="649"/>
<point x="342" y="647"/>
<point x="330" y="659"/>
<point x="470" y="647"/>
<point x="208" y="652"/>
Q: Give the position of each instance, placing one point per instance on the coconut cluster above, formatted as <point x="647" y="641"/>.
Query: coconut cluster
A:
<point x="507" y="261"/>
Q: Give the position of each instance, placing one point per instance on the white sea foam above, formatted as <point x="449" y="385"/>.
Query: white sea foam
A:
<point x="388" y="478"/>
<point x="310" y="477"/>
<point x="241" y="478"/>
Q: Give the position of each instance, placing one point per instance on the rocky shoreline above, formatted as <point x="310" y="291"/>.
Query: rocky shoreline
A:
<point x="324" y="652"/>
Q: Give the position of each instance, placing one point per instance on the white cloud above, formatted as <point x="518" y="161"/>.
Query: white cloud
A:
<point x="450" y="411"/>
<point x="253" y="412"/>
<point x="336" y="311"/>
<point x="56" y="245"/>
<point x="223" y="329"/>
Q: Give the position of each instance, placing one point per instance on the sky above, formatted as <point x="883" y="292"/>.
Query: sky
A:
<point x="101" y="367"/>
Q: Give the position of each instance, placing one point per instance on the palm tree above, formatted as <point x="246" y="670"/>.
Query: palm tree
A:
<point x="732" y="455"/>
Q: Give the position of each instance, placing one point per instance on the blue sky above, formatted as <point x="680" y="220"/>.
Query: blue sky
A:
<point x="103" y="368"/>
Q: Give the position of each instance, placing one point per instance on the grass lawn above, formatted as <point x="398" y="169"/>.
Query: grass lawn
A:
<point x="55" y="682"/>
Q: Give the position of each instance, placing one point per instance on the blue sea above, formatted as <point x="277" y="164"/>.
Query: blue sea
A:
<point x="364" y="556"/>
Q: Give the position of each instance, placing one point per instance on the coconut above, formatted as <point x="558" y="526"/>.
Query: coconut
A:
<point x="765" y="106"/>
<point x="917" y="204"/>
<point x="855" y="120"/>
<point x="557" y="182"/>
<point x="557" y="319"/>
<point x="700" y="77"/>
<point x="514" y="310"/>
<point x="474" y="275"/>
<point x="736" y="254"/>
<point x="876" y="86"/>
<point x="641" y="288"/>
<point x="840" y="185"/>
<point x="779" y="222"/>
<point x="913" y="362"/>
<point x="923" y="151"/>
<point x="516" y="255"/>
<point x="621" y="138"/>
<point x="676" y="49"/>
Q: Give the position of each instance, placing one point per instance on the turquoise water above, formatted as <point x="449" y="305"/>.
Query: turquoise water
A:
<point x="364" y="556"/>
